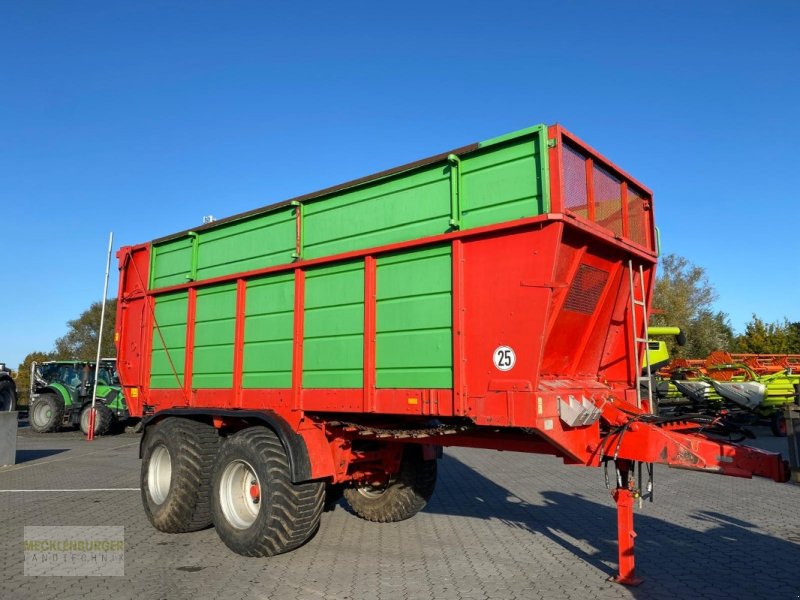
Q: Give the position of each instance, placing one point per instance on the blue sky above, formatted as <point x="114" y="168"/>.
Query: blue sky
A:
<point x="141" y="117"/>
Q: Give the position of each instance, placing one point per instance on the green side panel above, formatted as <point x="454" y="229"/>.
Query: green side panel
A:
<point x="505" y="180"/>
<point x="262" y="241"/>
<point x="333" y="346"/>
<point x="268" y="332"/>
<point x="214" y="330"/>
<point x="170" y="316"/>
<point x="414" y="320"/>
<point x="411" y="205"/>
<point x="171" y="263"/>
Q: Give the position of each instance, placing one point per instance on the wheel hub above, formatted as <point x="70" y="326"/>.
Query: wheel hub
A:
<point x="159" y="474"/>
<point x="255" y="491"/>
<point x="240" y="494"/>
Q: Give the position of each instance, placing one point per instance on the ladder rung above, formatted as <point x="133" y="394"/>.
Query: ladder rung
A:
<point x="641" y="340"/>
<point x="639" y="302"/>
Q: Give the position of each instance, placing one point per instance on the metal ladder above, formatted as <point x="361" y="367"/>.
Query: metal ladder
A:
<point x="640" y="304"/>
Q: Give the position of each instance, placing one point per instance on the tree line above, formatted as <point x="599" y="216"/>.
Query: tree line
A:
<point x="685" y="298"/>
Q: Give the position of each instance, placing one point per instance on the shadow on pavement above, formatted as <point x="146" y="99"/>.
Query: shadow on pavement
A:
<point x="29" y="455"/>
<point x="724" y="557"/>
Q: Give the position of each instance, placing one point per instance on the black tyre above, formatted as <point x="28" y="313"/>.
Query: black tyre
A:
<point x="257" y="509"/>
<point x="404" y="495"/>
<point x="778" y="423"/>
<point x="8" y="395"/>
<point x="46" y="413"/>
<point x="103" y="421"/>
<point x="177" y="458"/>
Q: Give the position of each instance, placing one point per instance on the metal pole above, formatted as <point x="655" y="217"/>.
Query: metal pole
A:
<point x="93" y="413"/>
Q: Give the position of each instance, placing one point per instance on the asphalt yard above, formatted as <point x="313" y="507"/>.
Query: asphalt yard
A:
<point x="501" y="525"/>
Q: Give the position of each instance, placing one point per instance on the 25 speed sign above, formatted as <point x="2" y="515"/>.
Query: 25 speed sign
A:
<point x="504" y="358"/>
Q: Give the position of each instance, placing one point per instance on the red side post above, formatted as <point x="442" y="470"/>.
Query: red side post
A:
<point x="370" y="329"/>
<point x="90" y="433"/>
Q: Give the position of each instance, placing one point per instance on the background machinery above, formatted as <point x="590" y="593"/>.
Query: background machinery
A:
<point x="8" y="390"/>
<point x="61" y="396"/>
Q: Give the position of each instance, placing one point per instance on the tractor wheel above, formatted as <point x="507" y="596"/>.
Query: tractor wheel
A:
<point x="778" y="423"/>
<point x="403" y="496"/>
<point x="257" y="509"/>
<point x="8" y="395"/>
<point x="103" y="419"/>
<point x="46" y="414"/>
<point x="177" y="458"/>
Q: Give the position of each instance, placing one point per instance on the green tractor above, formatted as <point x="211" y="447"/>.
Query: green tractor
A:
<point x="61" y="396"/>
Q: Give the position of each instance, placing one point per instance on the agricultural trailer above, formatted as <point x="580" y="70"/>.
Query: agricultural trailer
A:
<point x="494" y="296"/>
<point x="61" y="396"/>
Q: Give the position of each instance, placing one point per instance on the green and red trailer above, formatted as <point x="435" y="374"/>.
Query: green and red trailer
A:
<point x="494" y="296"/>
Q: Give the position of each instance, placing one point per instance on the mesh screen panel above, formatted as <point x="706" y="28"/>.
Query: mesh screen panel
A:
<point x="607" y="199"/>
<point x="637" y="217"/>
<point x="586" y="289"/>
<point x="575" y="196"/>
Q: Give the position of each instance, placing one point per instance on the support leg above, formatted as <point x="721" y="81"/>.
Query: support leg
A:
<point x="625" y="537"/>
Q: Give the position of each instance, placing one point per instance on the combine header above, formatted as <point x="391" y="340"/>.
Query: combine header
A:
<point x="748" y="386"/>
<point x="495" y="296"/>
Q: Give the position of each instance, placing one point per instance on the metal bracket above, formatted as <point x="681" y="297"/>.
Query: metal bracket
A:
<point x="298" y="250"/>
<point x="455" y="191"/>
<point x="577" y="413"/>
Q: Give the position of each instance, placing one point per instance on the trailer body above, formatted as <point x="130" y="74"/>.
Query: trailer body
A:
<point x="492" y="296"/>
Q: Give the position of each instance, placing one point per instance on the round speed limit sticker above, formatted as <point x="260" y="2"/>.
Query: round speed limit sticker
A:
<point x="504" y="358"/>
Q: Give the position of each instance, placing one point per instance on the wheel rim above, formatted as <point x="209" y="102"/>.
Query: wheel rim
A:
<point x="159" y="474"/>
<point x="42" y="413"/>
<point x="373" y="491"/>
<point x="85" y="421"/>
<point x="240" y="494"/>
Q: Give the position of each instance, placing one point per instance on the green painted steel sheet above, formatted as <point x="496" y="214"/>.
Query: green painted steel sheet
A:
<point x="264" y="241"/>
<point x="169" y="341"/>
<point x="170" y="263"/>
<point x="405" y="207"/>
<point x="215" y="326"/>
<point x="333" y="344"/>
<point x="503" y="182"/>
<point x="414" y="319"/>
<point x="268" y="332"/>
<point x="503" y="179"/>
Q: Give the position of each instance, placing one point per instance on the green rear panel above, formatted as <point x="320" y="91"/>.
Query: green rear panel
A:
<point x="506" y="178"/>
<point x="333" y="347"/>
<point x="171" y="263"/>
<point x="414" y="320"/>
<point x="170" y="315"/>
<point x="215" y="326"/>
<point x="268" y="332"/>
<point x="504" y="182"/>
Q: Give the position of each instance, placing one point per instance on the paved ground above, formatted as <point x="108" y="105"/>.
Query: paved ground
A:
<point x="501" y="525"/>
